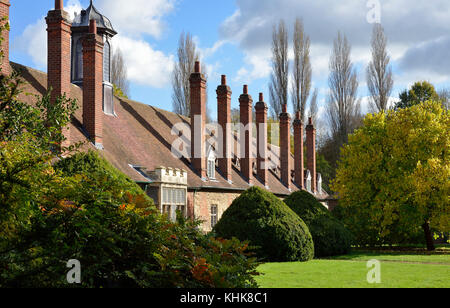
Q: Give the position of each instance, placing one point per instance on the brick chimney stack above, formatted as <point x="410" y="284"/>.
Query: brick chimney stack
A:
<point x="261" y="126"/>
<point x="224" y="119"/>
<point x="58" y="56"/>
<point x="4" y="13"/>
<point x="246" y="107"/>
<point x="198" y="120"/>
<point x="311" y="155"/>
<point x="93" y="85"/>
<point x="298" y="152"/>
<point x="285" y="147"/>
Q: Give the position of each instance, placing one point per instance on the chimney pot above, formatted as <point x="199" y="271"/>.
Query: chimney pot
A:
<point x="284" y="108"/>
<point x="197" y="67"/>
<point x="310" y="121"/>
<point x="261" y="97"/>
<point x="297" y="115"/>
<point x="59" y="5"/>
<point x="224" y="80"/>
<point x="245" y="89"/>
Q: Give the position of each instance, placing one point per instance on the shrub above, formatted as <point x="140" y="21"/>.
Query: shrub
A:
<point x="329" y="234"/>
<point x="53" y="218"/>
<point x="277" y="233"/>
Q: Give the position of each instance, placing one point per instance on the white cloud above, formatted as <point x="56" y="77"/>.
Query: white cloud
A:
<point x="146" y="66"/>
<point x="136" y="17"/>
<point x="407" y="24"/>
<point x="33" y="40"/>
<point x="257" y="65"/>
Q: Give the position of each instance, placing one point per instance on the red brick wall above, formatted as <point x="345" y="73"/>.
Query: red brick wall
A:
<point x="198" y="108"/>
<point x="246" y="106"/>
<point x="58" y="57"/>
<point x="298" y="152"/>
<point x="93" y="87"/>
<point x="224" y="119"/>
<point x="261" y="126"/>
<point x="4" y="12"/>
<point x="311" y="155"/>
<point x="285" y="147"/>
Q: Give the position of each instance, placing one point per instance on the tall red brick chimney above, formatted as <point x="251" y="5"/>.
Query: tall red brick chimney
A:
<point x="285" y="147"/>
<point x="311" y="155"/>
<point x="261" y="126"/>
<point x="246" y="107"/>
<point x="198" y="121"/>
<point x="4" y="13"/>
<point x="58" y="55"/>
<point x="93" y="85"/>
<point x="224" y="119"/>
<point x="298" y="152"/>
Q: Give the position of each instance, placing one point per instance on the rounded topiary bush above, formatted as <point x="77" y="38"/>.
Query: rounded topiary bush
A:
<point x="329" y="234"/>
<point x="268" y="224"/>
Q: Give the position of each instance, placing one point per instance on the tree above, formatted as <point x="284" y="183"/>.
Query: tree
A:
<point x="444" y="96"/>
<point x="419" y="92"/>
<point x="119" y="74"/>
<point x="301" y="75"/>
<point x="343" y="105"/>
<point x="278" y="87"/>
<point x="393" y="175"/>
<point x="187" y="56"/>
<point x="379" y="73"/>
<point x="313" y="109"/>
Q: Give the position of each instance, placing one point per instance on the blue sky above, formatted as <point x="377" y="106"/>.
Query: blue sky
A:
<point x="234" y="39"/>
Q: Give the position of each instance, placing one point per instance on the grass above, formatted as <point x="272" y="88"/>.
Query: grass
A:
<point x="397" y="271"/>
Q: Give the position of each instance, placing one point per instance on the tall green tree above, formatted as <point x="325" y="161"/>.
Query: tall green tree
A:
<point x="420" y="92"/>
<point x="393" y="175"/>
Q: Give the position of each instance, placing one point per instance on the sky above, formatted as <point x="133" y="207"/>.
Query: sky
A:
<point x="234" y="38"/>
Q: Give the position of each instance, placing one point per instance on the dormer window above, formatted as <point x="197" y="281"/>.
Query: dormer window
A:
<point x="211" y="164"/>
<point x="319" y="183"/>
<point x="308" y="181"/>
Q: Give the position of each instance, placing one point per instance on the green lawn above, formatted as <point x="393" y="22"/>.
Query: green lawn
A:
<point x="397" y="271"/>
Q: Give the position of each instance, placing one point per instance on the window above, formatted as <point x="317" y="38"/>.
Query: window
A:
<point x="79" y="61"/>
<point x="211" y="164"/>
<point x="173" y="200"/>
<point x="213" y="216"/>
<point x="211" y="169"/>
<point x="108" y="100"/>
<point x="106" y="62"/>
<point x="308" y="181"/>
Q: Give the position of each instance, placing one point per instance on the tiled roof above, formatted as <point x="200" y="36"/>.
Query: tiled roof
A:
<point x="140" y="135"/>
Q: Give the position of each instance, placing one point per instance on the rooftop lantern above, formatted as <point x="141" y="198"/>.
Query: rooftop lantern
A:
<point x="80" y="27"/>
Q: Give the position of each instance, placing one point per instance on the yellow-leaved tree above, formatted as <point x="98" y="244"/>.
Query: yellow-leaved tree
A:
<point x="394" y="175"/>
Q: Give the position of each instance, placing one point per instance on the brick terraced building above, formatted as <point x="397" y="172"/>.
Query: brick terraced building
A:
<point x="137" y="138"/>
